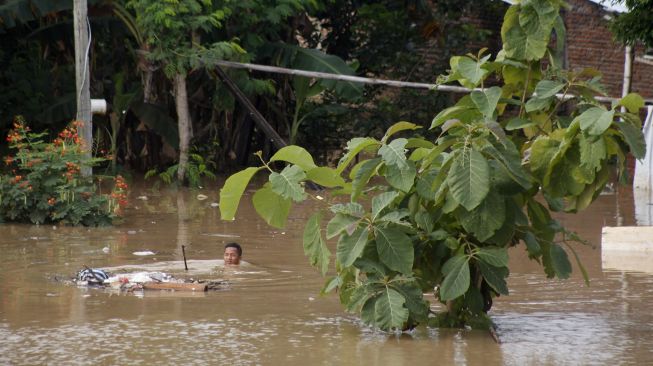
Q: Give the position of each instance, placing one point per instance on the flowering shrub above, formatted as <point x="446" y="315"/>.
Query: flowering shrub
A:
<point x="45" y="184"/>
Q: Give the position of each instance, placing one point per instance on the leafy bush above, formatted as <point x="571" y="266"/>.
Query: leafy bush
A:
<point x="45" y="183"/>
<point x="197" y="168"/>
<point x="440" y="215"/>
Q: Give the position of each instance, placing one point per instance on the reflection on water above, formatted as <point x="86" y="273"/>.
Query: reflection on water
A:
<point x="272" y="314"/>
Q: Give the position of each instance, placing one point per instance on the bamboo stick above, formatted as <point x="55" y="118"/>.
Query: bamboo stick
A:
<point x="174" y="286"/>
<point x="375" y="81"/>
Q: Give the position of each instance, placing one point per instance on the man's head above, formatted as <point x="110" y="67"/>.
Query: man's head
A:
<point x="232" y="254"/>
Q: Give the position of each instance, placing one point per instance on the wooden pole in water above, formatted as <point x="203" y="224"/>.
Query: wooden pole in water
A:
<point x="183" y="252"/>
<point x="83" y="77"/>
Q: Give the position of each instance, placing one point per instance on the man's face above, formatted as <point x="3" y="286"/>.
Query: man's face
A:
<point x="231" y="256"/>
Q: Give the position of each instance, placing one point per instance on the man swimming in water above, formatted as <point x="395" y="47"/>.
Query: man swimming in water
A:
<point x="232" y="254"/>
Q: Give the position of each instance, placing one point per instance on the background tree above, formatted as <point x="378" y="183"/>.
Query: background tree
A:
<point x="636" y="25"/>
<point x="173" y="30"/>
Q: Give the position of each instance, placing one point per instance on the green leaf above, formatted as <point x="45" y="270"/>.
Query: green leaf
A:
<point x="339" y="223"/>
<point x="486" y="100"/>
<point x="428" y="183"/>
<point x="316" y="60"/>
<point x="295" y="155"/>
<point x="465" y="110"/>
<point x="538" y="104"/>
<point x="425" y="221"/>
<point x="389" y="310"/>
<point x="368" y="311"/>
<point x="517" y="123"/>
<point x="287" y="184"/>
<point x="394" y="153"/>
<point x="532" y="246"/>
<point x="521" y="46"/>
<point x="634" y="138"/>
<point x="354" y="146"/>
<point x="633" y="102"/>
<point x="395" y="249"/>
<point x="457" y="278"/>
<point x="540" y="220"/>
<point x="232" y="191"/>
<point x="495" y="277"/>
<point x="526" y="30"/>
<point x="469" y="179"/>
<point x="326" y="177"/>
<point x="401" y="178"/>
<point x="560" y="261"/>
<point x="494" y="256"/>
<point x="363" y="174"/>
<point x="471" y="70"/>
<point x="351" y="246"/>
<point x="397" y="127"/>
<point x="359" y="296"/>
<point x="542" y="152"/>
<point x="592" y="152"/>
<point x="548" y="88"/>
<point x="349" y="208"/>
<point x="415" y="302"/>
<point x="537" y="16"/>
<point x="473" y="300"/>
<point x="395" y="216"/>
<point x="595" y="120"/>
<point x="314" y="245"/>
<point x="510" y="160"/>
<point x="381" y="201"/>
<point x="497" y="131"/>
<point x="271" y="207"/>
<point x="484" y="220"/>
<point x="586" y="277"/>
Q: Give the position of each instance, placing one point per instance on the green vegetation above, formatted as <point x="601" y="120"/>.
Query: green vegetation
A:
<point x="45" y="184"/>
<point x="440" y="215"/>
<point x="636" y="25"/>
<point x="139" y="47"/>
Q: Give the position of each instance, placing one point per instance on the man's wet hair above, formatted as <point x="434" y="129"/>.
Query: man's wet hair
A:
<point x="235" y="245"/>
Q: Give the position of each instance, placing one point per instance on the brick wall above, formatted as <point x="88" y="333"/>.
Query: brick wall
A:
<point x="590" y="44"/>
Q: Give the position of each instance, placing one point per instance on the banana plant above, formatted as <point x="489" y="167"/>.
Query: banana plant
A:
<point x="306" y="88"/>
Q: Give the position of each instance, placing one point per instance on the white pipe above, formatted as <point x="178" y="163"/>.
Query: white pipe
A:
<point x="628" y="70"/>
<point x="98" y="106"/>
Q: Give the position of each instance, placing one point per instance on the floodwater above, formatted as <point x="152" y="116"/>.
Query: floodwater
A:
<point x="273" y="313"/>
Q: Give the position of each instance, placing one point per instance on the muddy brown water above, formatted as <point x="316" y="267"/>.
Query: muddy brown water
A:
<point x="273" y="313"/>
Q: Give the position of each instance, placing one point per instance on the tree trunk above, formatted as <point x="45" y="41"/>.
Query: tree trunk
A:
<point x="183" y="124"/>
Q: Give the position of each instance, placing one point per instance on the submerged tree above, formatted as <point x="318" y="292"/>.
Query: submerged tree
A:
<point x="440" y="215"/>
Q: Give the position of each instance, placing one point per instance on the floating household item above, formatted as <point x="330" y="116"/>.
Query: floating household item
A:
<point x="627" y="248"/>
<point x="201" y="197"/>
<point x="144" y="253"/>
<point x="136" y="281"/>
<point x="221" y="235"/>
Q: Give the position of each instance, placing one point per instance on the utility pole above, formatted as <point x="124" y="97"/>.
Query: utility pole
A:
<point x="82" y="77"/>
